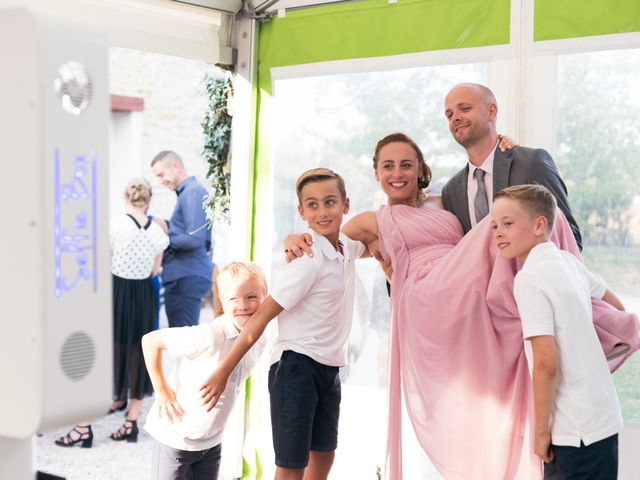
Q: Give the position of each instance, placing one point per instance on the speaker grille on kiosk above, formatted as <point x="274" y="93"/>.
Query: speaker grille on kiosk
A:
<point x="77" y="355"/>
<point x="74" y="87"/>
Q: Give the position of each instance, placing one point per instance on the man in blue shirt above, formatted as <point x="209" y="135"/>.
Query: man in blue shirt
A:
<point x="187" y="268"/>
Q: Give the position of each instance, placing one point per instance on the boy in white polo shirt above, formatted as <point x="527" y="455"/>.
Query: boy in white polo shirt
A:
<point x="313" y="299"/>
<point x="188" y="436"/>
<point x="577" y="414"/>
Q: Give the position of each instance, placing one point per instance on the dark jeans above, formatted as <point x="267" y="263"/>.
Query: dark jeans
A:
<point x="598" y="461"/>
<point x="173" y="464"/>
<point x="182" y="299"/>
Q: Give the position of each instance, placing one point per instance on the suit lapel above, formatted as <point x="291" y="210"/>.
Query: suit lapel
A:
<point x="462" y="202"/>
<point x="501" y="168"/>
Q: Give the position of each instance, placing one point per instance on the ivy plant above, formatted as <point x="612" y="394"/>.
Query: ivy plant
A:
<point x="216" y="127"/>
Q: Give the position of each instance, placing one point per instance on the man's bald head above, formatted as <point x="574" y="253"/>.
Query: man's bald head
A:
<point x="472" y="110"/>
<point x="482" y="92"/>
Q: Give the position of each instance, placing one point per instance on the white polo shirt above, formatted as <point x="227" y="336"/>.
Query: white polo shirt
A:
<point x="197" y="351"/>
<point x="316" y="294"/>
<point x="553" y="291"/>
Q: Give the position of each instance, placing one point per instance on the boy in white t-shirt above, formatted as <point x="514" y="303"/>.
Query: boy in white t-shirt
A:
<point x="313" y="299"/>
<point x="188" y="436"/>
<point x="577" y="413"/>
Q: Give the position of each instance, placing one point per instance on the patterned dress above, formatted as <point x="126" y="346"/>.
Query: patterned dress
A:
<point x="133" y="251"/>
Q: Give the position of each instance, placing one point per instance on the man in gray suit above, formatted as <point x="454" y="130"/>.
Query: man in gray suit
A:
<point x="472" y="110"/>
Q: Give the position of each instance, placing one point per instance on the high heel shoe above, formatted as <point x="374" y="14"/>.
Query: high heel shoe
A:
<point x="118" y="409"/>
<point x="128" y="431"/>
<point x="86" y="437"/>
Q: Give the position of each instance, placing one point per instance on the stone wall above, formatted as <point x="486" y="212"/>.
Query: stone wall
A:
<point x="174" y="105"/>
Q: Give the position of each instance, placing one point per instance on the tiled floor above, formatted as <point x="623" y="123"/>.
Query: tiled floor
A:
<point x="105" y="460"/>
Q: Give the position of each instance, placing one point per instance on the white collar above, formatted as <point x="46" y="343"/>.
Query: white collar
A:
<point x="487" y="164"/>
<point x="541" y="249"/>
<point x="324" y="245"/>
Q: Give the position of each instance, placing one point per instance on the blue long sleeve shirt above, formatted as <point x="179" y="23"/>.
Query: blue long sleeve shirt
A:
<point x="189" y="235"/>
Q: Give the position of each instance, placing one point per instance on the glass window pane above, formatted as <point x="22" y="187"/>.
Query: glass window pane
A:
<point x="598" y="154"/>
<point x="335" y="121"/>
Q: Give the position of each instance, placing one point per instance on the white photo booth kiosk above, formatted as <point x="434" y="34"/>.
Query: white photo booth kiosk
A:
<point x="55" y="287"/>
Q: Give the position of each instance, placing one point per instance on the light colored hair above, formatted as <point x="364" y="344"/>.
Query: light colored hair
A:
<point x="238" y="272"/>
<point x="537" y="200"/>
<point x="167" y="156"/>
<point x="399" y="137"/>
<point x="138" y="192"/>
<point x="318" y="175"/>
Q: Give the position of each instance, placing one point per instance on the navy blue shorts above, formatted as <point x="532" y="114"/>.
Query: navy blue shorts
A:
<point x="305" y="408"/>
<point x="598" y="461"/>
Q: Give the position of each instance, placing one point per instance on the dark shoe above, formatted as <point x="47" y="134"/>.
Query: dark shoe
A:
<point x="85" y="436"/>
<point x="618" y="350"/>
<point x="118" y="409"/>
<point x="128" y="431"/>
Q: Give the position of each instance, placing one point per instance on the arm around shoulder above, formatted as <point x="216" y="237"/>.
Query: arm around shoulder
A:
<point x="362" y="228"/>
<point x="214" y="386"/>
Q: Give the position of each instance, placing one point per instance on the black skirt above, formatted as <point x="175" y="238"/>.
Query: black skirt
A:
<point x="134" y="314"/>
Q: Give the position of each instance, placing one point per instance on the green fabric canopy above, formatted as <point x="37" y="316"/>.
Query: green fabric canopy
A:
<point x="559" y="19"/>
<point x="376" y="28"/>
<point x="364" y="29"/>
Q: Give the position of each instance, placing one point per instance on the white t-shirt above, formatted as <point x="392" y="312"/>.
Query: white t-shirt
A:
<point x="553" y="291"/>
<point x="197" y="351"/>
<point x="134" y="249"/>
<point x="317" y="296"/>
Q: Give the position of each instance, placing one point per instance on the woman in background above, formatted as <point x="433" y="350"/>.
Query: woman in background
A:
<point x="137" y="244"/>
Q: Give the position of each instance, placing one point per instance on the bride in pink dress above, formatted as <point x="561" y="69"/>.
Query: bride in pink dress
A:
<point x="457" y="353"/>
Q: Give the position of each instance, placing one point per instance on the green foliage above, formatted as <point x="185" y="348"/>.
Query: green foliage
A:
<point x="216" y="127"/>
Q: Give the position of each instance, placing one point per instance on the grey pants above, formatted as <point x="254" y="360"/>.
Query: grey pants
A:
<point x="173" y="464"/>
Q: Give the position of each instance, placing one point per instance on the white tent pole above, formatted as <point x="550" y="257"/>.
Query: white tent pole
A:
<point x="243" y="139"/>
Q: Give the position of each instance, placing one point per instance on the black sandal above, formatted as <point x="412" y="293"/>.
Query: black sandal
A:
<point x="128" y="431"/>
<point x="117" y="409"/>
<point x="86" y="437"/>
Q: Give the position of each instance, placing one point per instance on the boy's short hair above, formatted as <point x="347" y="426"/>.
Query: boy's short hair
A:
<point x="536" y="199"/>
<point x="319" y="175"/>
<point x="237" y="272"/>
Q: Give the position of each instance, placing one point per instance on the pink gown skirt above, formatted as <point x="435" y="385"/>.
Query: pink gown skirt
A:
<point x="457" y="352"/>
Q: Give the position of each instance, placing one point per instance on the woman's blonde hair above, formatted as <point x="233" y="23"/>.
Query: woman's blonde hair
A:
<point x="138" y="192"/>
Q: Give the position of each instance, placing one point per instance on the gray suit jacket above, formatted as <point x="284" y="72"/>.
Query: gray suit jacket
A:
<point x="518" y="166"/>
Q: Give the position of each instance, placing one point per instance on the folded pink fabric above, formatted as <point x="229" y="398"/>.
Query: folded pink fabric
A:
<point x="456" y="347"/>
